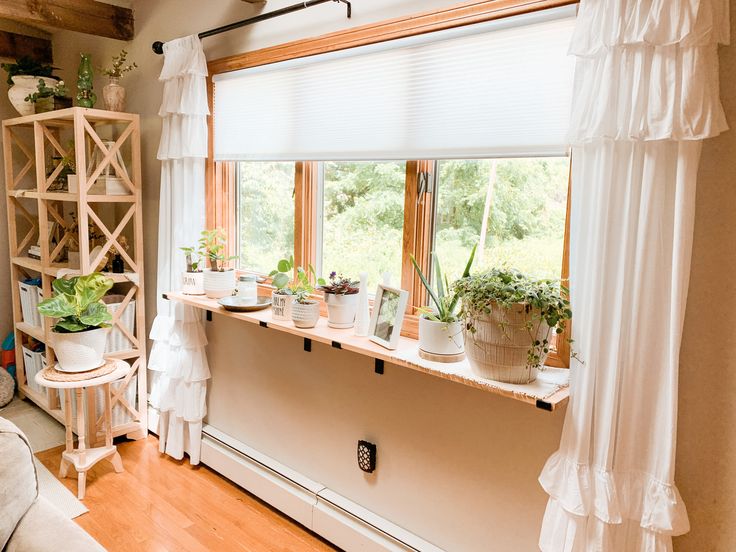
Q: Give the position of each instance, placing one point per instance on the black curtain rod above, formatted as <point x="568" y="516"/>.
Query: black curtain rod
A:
<point x="158" y="46"/>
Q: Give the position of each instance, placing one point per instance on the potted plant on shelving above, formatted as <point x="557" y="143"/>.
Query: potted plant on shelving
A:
<point x="282" y="297"/>
<point x="219" y="281"/>
<point x="113" y="92"/>
<point x="192" y="280"/>
<point x="80" y="333"/>
<point x="508" y="321"/>
<point x="305" y="309"/>
<point x="49" y="98"/>
<point x="440" y="327"/>
<point x="341" y="296"/>
<point x="23" y="76"/>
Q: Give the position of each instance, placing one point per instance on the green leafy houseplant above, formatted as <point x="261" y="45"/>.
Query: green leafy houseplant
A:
<point x="445" y="300"/>
<point x="119" y="68"/>
<point x="59" y="90"/>
<point x="193" y="258"/>
<point x="26" y="65"/>
<point x="281" y="278"/>
<point x="339" y="285"/>
<point x="302" y="286"/>
<point x="77" y="303"/>
<point x="542" y="301"/>
<point x="212" y="245"/>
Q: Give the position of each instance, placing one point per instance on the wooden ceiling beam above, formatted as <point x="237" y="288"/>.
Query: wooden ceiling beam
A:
<point x="14" y="46"/>
<point x="84" y="16"/>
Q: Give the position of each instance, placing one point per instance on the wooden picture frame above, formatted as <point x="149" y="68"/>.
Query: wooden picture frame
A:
<point x="387" y="317"/>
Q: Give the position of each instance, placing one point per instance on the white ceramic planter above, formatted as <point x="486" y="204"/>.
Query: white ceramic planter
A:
<point x="281" y="306"/>
<point x="23" y="85"/>
<point x="80" y="351"/>
<point x="441" y="338"/>
<point x="219" y="284"/>
<point x="341" y="310"/>
<point x="305" y="315"/>
<point x="192" y="283"/>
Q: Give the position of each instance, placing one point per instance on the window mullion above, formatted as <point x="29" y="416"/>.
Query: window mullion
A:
<point x="306" y="181"/>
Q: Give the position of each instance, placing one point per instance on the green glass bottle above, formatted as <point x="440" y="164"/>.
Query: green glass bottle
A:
<point x="85" y="96"/>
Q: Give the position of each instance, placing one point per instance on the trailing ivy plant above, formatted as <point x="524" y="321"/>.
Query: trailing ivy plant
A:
<point x="77" y="303"/>
<point x="543" y="300"/>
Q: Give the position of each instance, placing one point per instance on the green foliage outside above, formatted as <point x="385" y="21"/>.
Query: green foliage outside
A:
<point x="364" y="215"/>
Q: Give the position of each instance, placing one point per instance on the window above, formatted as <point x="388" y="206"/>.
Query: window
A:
<point x="265" y="207"/>
<point x="413" y="141"/>
<point x="362" y="219"/>
<point x="514" y="209"/>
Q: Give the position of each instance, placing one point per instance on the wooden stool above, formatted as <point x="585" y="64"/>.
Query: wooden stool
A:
<point x="83" y="458"/>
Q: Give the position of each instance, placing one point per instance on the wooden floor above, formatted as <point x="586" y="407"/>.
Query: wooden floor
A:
<point x="159" y="504"/>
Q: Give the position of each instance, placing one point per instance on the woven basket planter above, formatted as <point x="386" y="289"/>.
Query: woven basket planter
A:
<point x="498" y="349"/>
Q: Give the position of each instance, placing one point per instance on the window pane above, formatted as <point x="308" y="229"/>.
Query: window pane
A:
<point x="363" y="219"/>
<point x="523" y="203"/>
<point x="265" y="214"/>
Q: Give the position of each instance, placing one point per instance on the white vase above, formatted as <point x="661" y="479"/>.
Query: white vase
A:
<point x="23" y="85"/>
<point x="80" y="351"/>
<point x="192" y="283"/>
<point x="305" y="315"/>
<point x="341" y="309"/>
<point x="113" y="95"/>
<point x="281" y="306"/>
<point x="441" y="338"/>
<point x="219" y="284"/>
<point x="363" y="315"/>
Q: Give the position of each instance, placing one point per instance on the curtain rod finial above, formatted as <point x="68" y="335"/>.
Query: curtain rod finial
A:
<point x="158" y="47"/>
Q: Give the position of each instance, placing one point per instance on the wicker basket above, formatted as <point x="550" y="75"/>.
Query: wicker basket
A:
<point x="499" y="347"/>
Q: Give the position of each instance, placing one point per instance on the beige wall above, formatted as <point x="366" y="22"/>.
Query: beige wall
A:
<point x="456" y="466"/>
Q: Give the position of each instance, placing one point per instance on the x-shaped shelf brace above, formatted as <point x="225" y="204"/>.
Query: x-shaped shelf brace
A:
<point x="60" y="167"/>
<point x="32" y="233"/>
<point x="110" y="157"/>
<point x="69" y="234"/>
<point x="112" y="238"/>
<point x="29" y="156"/>
<point x="118" y="394"/>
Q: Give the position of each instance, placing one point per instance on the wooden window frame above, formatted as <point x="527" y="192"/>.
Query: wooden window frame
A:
<point x="418" y="229"/>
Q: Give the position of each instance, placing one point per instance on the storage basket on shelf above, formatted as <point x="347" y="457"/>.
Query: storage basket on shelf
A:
<point x="30" y="296"/>
<point x="116" y="339"/>
<point x="33" y="363"/>
<point x="120" y="414"/>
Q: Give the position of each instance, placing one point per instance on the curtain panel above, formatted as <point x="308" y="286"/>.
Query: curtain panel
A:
<point x="646" y="95"/>
<point x="178" y="363"/>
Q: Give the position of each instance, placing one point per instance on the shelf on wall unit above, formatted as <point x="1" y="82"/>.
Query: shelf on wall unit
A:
<point x="116" y="277"/>
<point x="132" y="353"/>
<point x="27" y="262"/>
<point x="65" y="117"/>
<point x="72" y="198"/>
<point x="29" y="329"/>
<point x="550" y="391"/>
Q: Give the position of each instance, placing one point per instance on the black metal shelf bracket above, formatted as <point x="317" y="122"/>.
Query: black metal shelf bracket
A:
<point x="307" y="345"/>
<point x="209" y="316"/>
<point x="379" y="366"/>
<point x="263" y="324"/>
<point x="544" y="405"/>
<point x="158" y="46"/>
<point x="336" y="345"/>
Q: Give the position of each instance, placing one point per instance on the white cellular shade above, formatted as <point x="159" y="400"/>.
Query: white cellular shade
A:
<point x="496" y="89"/>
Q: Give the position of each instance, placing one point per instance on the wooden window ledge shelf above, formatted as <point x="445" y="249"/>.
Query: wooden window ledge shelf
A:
<point x="549" y="392"/>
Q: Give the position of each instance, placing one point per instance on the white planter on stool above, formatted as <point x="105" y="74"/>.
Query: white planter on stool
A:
<point x="80" y="351"/>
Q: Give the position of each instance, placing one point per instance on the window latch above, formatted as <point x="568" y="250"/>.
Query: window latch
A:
<point x="425" y="185"/>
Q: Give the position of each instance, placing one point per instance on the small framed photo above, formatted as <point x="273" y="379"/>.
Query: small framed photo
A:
<point x="387" y="316"/>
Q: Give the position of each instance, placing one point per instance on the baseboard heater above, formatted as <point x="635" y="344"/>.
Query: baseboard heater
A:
<point x="334" y="517"/>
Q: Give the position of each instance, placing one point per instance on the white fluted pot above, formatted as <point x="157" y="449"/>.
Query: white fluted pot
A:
<point x="305" y="315"/>
<point x="80" y="351"/>
<point x="219" y="284"/>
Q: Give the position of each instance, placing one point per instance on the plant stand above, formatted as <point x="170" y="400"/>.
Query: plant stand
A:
<point x="83" y="458"/>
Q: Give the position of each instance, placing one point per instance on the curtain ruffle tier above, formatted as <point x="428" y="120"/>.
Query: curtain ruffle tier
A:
<point x="178" y="362"/>
<point x="646" y="94"/>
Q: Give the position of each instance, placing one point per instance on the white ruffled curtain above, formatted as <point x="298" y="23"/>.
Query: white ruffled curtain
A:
<point x="178" y="364"/>
<point x="646" y="94"/>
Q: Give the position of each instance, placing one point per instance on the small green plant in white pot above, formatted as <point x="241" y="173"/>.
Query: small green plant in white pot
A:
<point x="282" y="297"/>
<point x="219" y="280"/>
<point x="341" y="296"/>
<point x="192" y="280"/>
<point x="80" y="333"/>
<point x="305" y="309"/>
<point x="440" y="327"/>
<point x="509" y="319"/>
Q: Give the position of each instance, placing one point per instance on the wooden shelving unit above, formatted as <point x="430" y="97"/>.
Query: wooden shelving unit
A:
<point x="58" y="221"/>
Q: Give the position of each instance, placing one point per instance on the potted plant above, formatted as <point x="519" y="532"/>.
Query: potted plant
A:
<point x="80" y="333"/>
<point x="282" y="297"/>
<point x="219" y="281"/>
<point x="508" y="321"/>
<point x="49" y="98"/>
<point x="192" y="280"/>
<point x="304" y="309"/>
<point x="341" y="296"/>
<point x="113" y="93"/>
<point x="440" y="327"/>
<point x="23" y="76"/>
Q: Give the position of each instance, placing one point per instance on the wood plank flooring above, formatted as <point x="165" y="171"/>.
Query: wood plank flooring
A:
<point x="159" y="504"/>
